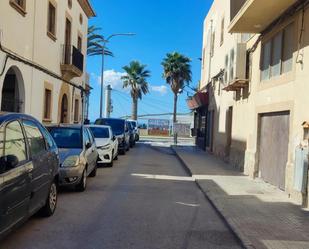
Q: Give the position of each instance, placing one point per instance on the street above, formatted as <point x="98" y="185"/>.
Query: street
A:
<point x="145" y="201"/>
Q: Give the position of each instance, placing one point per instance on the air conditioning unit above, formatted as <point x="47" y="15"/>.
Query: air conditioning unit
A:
<point x="237" y="63"/>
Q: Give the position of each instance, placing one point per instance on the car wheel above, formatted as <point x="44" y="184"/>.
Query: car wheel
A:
<point x="83" y="182"/>
<point x="51" y="202"/>
<point x="111" y="164"/>
<point x="116" y="157"/>
<point x="94" y="171"/>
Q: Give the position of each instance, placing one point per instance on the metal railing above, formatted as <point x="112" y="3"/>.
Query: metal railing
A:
<point x="72" y="56"/>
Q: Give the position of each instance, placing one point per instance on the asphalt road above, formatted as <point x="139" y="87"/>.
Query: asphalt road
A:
<point x="145" y="201"/>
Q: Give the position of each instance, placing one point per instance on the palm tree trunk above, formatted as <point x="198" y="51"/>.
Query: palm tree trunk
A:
<point x="175" y="108"/>
<point x="134" y="109"/>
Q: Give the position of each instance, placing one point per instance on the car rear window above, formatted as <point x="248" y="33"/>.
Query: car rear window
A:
<point x="117" y="125"/>
<point x="66" y="137"/>
<point x="100" y="132"/>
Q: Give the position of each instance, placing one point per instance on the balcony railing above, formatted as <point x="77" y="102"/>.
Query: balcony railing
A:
<point x="72" y="61"/>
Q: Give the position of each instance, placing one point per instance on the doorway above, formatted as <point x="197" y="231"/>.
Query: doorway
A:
<point x="13" y="94"/>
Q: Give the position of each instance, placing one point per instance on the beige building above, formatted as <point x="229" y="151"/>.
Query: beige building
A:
<point x="257" y="118"/>
<point x="43" y="58"/>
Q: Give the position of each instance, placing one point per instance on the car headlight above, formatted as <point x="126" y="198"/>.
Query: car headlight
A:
<point x="71" y="161"/>
<point x="105" y="147"/>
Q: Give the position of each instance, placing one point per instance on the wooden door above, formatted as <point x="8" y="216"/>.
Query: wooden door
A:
<point x="273" y="147"/>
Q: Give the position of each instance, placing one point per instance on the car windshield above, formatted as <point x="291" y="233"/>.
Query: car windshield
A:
<point x="100" y="132"/>
<point x="133" y="124"/>
<point x="66" y="137"/>
<point x="117" y="125"/>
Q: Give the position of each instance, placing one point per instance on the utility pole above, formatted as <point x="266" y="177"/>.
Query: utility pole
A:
<point x="102" y="67"/>
<point x="108" y="101"/>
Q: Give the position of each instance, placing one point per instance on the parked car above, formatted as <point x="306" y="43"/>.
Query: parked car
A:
<point x="136" y="130"/>
<point x="29" y="164"/>
<point x="107" y="143"/>
<point x="120" y="130"/>
<point x="78" y="154"/>
<point x="132" y="133"/>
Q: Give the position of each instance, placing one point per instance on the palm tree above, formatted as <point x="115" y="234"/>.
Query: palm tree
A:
<point x="136" y="79"/>
<point x="96" y="42"/>
<point x="177" y="73"/>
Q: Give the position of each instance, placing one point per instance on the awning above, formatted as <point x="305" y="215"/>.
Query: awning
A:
<point x="200" y="99"/>
<point x="236" y="85"/>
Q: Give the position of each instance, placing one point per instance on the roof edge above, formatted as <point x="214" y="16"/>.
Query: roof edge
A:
<point x="86" y="6"/>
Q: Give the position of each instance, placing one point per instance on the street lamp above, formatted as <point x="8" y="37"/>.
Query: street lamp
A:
<point x="102" y="69"/>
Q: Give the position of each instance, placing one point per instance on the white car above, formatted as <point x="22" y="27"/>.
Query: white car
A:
<point x="107" y="144"/>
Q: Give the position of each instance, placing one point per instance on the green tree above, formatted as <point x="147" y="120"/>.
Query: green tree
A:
<point x="96" y="42"/>
<point x="136" y="79"/>
<point x="177" y="73"/>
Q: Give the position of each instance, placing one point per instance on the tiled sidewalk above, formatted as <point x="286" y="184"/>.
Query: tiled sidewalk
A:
<point x="261" y="215"/>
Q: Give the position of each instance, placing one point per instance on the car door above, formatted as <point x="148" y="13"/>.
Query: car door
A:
<point x="42" y="165"/>
<point x="88" y="150"/>
<point x="94" y="153"/>
<point x="15" y="181"/>
<point x="114" y="141"/>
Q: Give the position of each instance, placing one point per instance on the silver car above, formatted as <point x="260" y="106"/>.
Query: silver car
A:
<point x="78" y="154"/>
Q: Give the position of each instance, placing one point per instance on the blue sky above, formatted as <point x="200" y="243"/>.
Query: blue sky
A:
<point x="161" y="26"/>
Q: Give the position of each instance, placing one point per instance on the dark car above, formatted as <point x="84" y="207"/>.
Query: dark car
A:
<point x="78" y="154"/>
<point x="28" y="170"/>
<point x="120" y="130"/>
<point x="132" y="133"/>
<point x="135" y="129"/>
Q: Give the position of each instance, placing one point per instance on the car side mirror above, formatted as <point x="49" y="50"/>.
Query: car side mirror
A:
<point x="88" y="145"/>
<point x="8" y="162"/>
<point x="114" y="138"/>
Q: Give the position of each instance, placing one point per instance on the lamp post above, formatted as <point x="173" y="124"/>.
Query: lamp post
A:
<point x="102" y="69"/>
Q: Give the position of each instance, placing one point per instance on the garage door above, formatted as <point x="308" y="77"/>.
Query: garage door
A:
<point x="273" y="147"/>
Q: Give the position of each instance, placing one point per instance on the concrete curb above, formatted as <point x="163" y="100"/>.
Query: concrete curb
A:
<point x="233" y="227"/>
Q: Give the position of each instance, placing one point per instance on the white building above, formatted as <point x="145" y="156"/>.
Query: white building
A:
<point x="43" y="58"/>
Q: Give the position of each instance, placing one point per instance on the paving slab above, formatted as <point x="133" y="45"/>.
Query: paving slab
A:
<point x="261" y="215"/>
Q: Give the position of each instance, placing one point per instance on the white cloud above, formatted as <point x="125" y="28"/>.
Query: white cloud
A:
<point x="160" y="89"/>
<point x="111" y="77"/>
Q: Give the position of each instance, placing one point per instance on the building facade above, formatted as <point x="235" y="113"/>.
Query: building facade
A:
<point x="43" y="58"/>
<point x="259" y="121"/>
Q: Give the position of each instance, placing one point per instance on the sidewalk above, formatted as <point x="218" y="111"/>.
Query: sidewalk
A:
<point x="260" y="215"/>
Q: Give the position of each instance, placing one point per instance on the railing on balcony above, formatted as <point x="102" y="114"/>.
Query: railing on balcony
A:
<point x="72" y="56"/>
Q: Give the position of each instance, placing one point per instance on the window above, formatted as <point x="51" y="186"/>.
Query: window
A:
<point x="48" y="138"/>
<point x="232" y="62"/>
<point x="35" y="138"/>
<point x="90" y="136"/>
<point x="80" y="19"/>
<point x="70" y="4"/>
<point x="19" y="5"/>
<point x="79" y="43"/>
<point x="212" y="48"/>
<point x="15" y="143"/>
<point x="66" y="137"/>
<point x="76" y="110"/>
<point x="47" y="104"/>
<point x="226" y="68"/>
<point x="203" y="58"/>
<point x="86" y="137"/>
<point x="222" y="31"/>
<point x="51" y="23"/>
<point x="275" y="68"/>
<point x="277" y="54"/>
<point x="265" y="61"/>
<point x="287" y="56"/>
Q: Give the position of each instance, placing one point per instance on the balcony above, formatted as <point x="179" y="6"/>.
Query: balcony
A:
<point x="254" y="16"/>
<point x="72" y="64"/>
